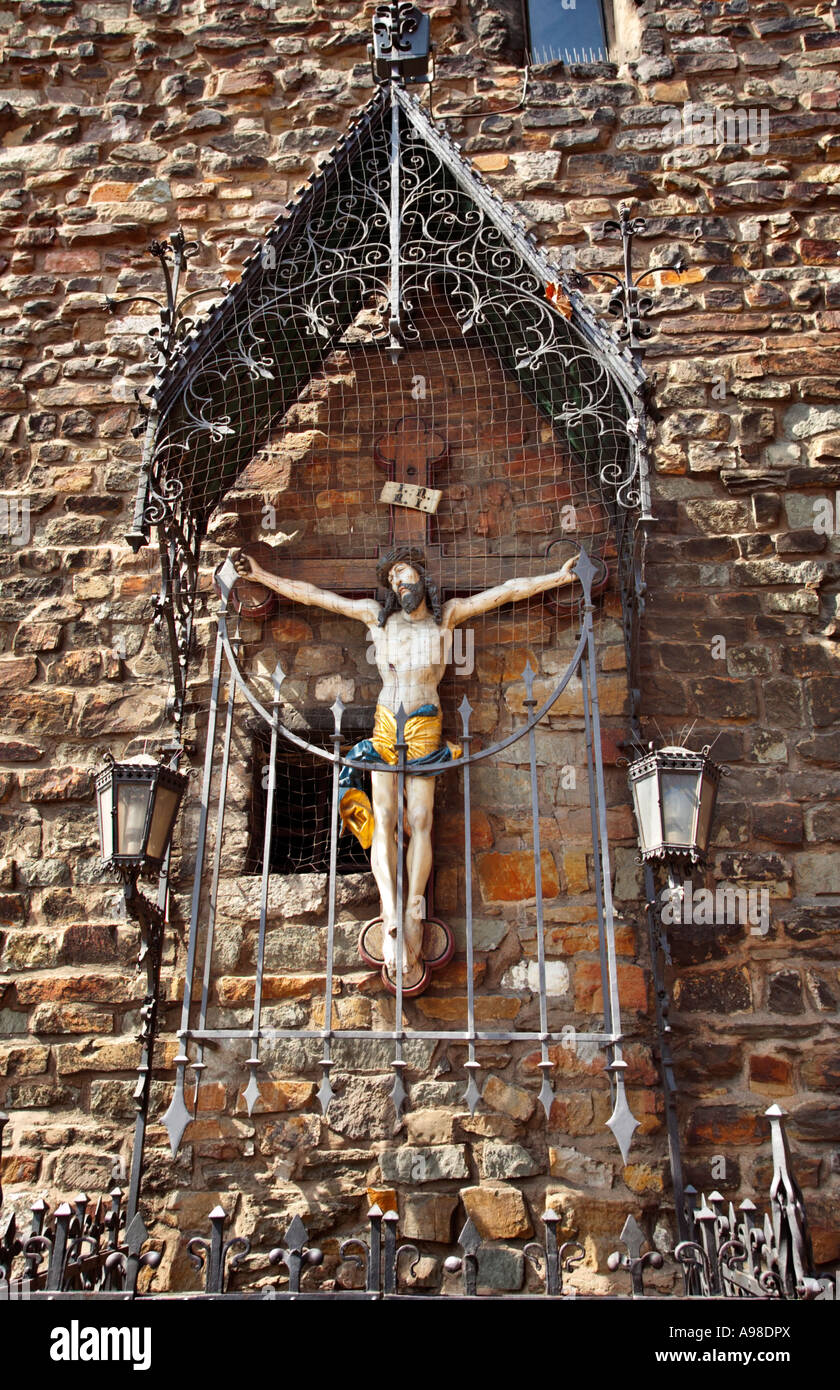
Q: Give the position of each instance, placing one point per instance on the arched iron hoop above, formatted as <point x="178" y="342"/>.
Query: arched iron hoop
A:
<point x="584" y="570"/>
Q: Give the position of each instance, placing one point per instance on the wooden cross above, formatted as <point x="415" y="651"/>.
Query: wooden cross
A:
<point x="408" y="452"/>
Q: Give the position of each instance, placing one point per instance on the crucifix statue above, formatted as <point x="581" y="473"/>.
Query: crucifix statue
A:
<point x="411" y="638"/>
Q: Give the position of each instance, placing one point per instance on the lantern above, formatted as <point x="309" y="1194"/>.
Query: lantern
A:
<point x="674" y="793"/>
<point x="138" y="801"/>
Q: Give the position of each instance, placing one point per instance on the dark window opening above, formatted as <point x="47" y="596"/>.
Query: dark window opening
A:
<point x="300" y="828"/>
<point x="569" y="31"/>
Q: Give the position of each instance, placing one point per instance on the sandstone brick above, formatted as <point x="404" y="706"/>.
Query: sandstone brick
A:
<point x="578" y="1169"/>
<point x="632" y="987"/>
<point x="715" y="991"/>
<point x="57" y="784"/>
<point x="232" y="990"/>
<point x="509" y="1100"/>
<point x="499" y="1213"/>
<point x="77" y="988"/>
<point x="453" y="1008"/>
<point x="23" y="1061"/>
<point x="278" y="1096"/>
<point x="97" y="1056"/>
<point x="643" y="1178"/>
<point x="510" y="877"/>
<point x="427" y="1216"/>
<point x="425" y="1127"/>
<point x="70" y="1018"/>
<point x="507" y="1161"/>
<point x="424" y="1164"/>
<point x="16" y="671"/>
<point x="727" y="1124"/>
<point x="770" y="1075"/>
<point x="20" y="1168"/>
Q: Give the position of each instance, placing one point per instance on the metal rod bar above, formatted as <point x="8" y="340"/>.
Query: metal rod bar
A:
<point x="546" y="1093"/>
<point x="389" y="1221"/>
<point x="596" y="849"/>
<point x="253" y="1060"/>
<point x="374" y="1264"/>
<point x="613" y="1020"/>
<point x="471" y="1095"/>
<point x="152" y="929"/>
<point x="326" y="1060"/>
<point x="177" y="1116"/>
<point x="168" y="607"/>
<point x="394" y="220"/>
<point x="199" y="1063"/>
<point x="390" y="1034"/>
<point x="666" y="1061"/>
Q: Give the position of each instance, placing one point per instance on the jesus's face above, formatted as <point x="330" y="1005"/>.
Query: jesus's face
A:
<point x="408" y="585"/>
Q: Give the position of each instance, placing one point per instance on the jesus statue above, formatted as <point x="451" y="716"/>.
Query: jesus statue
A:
<point x="411" y="635"/>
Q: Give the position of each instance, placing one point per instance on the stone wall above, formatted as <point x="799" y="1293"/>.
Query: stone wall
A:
<point x="120" y="121"/>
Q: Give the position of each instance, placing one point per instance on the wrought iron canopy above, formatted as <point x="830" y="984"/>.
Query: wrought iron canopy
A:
<point x="393" y="209"/>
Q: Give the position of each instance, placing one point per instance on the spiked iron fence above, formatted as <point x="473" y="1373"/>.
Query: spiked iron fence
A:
<point x="83" y="1249"/>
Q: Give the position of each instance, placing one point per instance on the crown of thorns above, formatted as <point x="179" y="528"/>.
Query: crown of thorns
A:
<point x="400" y="555"/>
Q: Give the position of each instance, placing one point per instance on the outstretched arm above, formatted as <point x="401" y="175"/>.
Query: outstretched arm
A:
<point x="365" y="610"/>
<point x="458" y="610"/>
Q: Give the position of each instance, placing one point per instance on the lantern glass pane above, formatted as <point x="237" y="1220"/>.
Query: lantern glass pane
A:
<point x="679" y="806"/>
<point x="163" y="815"/>
<point x="104" y="798"/>
<point x="708" y="793"/>
<point x="647" y="811"/>
<point x="132" y="805"/>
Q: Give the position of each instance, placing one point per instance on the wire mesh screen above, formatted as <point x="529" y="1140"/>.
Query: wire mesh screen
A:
<point x="515" y="500"/>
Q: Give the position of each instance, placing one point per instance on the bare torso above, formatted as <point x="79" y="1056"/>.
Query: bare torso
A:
<point x="410" y="656"/>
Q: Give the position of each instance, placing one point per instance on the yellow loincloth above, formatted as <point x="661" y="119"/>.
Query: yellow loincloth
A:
<point x="423" y="737"/>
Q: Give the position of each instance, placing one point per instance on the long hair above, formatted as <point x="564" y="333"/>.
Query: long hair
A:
<point x="432" y="596"/>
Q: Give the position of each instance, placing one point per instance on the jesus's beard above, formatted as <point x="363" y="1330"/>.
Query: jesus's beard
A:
<point x="412" y="596"/>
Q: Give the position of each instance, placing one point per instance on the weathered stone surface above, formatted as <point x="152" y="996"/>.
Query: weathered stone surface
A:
<point x="500" y="1269"/>
<point x="727" y="1124"/>
<point x="578" y="1168"/>
<point x="509" y="1100"/>
<point x="429" y="1126"/>
<point x="507" y="1161"/>
<point x="499" y="1213"/>
<point x="716" y="991"/>
<point x="419" y="1165"/>
<point x="361" y="1108"/>
<point x="428" y="1216"/>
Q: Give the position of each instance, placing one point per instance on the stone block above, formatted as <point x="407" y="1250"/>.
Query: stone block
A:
<point x="511" y="877"/>
<point x="507" y="1161"/>
<point x="70" y="1018"/>
<point x="770" y="1075"/>
<point x="428" y="1216"/>
<point x="500" y="1270"/>
<point x="509" y="1100"/>
<point x="727" y="1124"/>
<point x="425" y="1127"/>
<point x="715" y="992"/>
<point x="499" y="1213"/>
<point x="275" y="1097"/>
<point x="428" y="1164"/>
<point x="578" y="1168"/>
<point x="23" y="1060"/>
<point x="817" y="873"/>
